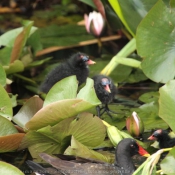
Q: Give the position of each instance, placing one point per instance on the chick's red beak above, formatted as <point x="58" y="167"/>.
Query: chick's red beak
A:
<point x="107" y="88"/>
<point x="143" y="152"/>
<point x="151" y="138"/>
<point x="90" y="62"/>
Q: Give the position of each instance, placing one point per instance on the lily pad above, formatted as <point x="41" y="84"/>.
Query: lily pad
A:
<point x="28" y="110"/>
<point x="78" y="149"/>
<point x="5" y="104"/>
<point x="64" y="89"/>
<point x="167" y="164"/>
<point x="167" y="103"/>
<point x="11" y="142"/>
<point x="8" y="38"/>
<point x="57" y="111"/>
<point x="20" y="42"/>
<point x="16" y="66"/>
<point x="3" y="76"/>
<point x="37" y="143"/>
<point x="156" y="46"/>
<point x="86" y="128"/>
<point x="88" y="93"/>
<point x="6" y="168"/>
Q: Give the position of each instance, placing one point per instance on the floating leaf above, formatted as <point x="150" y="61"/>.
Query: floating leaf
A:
<point x="7" y="127"/>
<point x="6" y="168"/>
<point x="3" y="76"/>
<point x="37" y="143"/>
<point x="28" y="110"/>
<point x="88" y="93"/>
<point x="20" y="42"/>
<point x="11" y="142"/>
<point x="5" y="104"/>
<point x="16" y="66"/>
<point x="8" y="38"/>
<point x="81" y="150"/>
<point x="158" y="53"/>
<point x="167" y="164"/>
<point x="167" y="103"/>
<point x="86" y="128"/>
<point x="64" y="89"/>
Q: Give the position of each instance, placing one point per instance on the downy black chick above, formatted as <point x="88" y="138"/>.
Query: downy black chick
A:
<point x="165" y="141"/>
<point x="77" y="65"/>
<point x="105" y="91"/>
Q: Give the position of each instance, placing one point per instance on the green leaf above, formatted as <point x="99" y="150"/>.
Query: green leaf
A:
<point x="81" y="150"/>
<point x="38" y="143"/>
<point x="158" y="53"/>
<point x="16" y="66"/>
<point x="28" y="110"/>
<point x="38" y="62"/>
<point x="20" y="42"/>
<point x="5" y="104"/>
<point x="3" y="76"/>
<point x="167" y="164"/>
<point x="6" y="168"/>
<point x="7" y="127"/>
<point x="5" y="55"/>
<point x="86" y="128"/>
<point x="57" y="111"/>
<point x="167" y="103"/>
<point x="34" y="41"/>
<point x="88" y="93"/>
<point x="8" y="38"/>
<point x="64" y="89"/>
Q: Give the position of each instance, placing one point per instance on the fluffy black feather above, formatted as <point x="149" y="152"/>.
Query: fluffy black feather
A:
<point x="165" y="141"/>
<point x="77" y="65"/>
<point x="105" y="90"/>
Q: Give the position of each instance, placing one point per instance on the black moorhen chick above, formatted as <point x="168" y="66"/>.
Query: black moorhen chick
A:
<point x="77" y="65"/>
<point x="165" y="141"/>
<point x="123" y="166"/>
<point x="105" y="90"/>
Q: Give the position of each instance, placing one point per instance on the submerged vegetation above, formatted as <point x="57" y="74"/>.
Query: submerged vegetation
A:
<point x="135" y="48"/>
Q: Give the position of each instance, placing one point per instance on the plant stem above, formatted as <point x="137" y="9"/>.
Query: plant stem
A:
<point x="127" y="50"/>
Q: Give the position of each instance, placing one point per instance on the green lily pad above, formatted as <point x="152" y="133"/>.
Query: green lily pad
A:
<point x="64" y="89"/>
<point x="20" y="42"/>
<point x="156" y="46"/>
<point x="88" y="93"/>
<point x="6" y="168"/>
<point x="8" y="38"/>
<point x="28" y="110"/>
<point x="5" y="104"/>
<point x="37" y="143"/>
<point x="167" y="164"/>
<point x="167" y="103"/>
<point x="3" y="76"/>
<point x="86" y="128"/>
<point x="78" y="149"/>
<point x="16" y="66"/>
<point x="7" y="127"/>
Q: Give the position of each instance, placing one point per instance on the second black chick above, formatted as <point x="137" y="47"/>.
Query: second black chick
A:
<point x="105" y="91"/>
<point x="77" y="65"/>
<point x="165" y="141"/>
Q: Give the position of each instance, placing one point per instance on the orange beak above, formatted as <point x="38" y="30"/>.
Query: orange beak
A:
<point x="107" y="88"/>
<point x="151" y="138"/>
<point x="143" y="152"/>
<point x="90" y="62"/>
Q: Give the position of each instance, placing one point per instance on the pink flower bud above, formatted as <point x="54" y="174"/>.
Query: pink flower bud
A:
<point x="94" y="23"/>
<point x="134" y="125"/>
